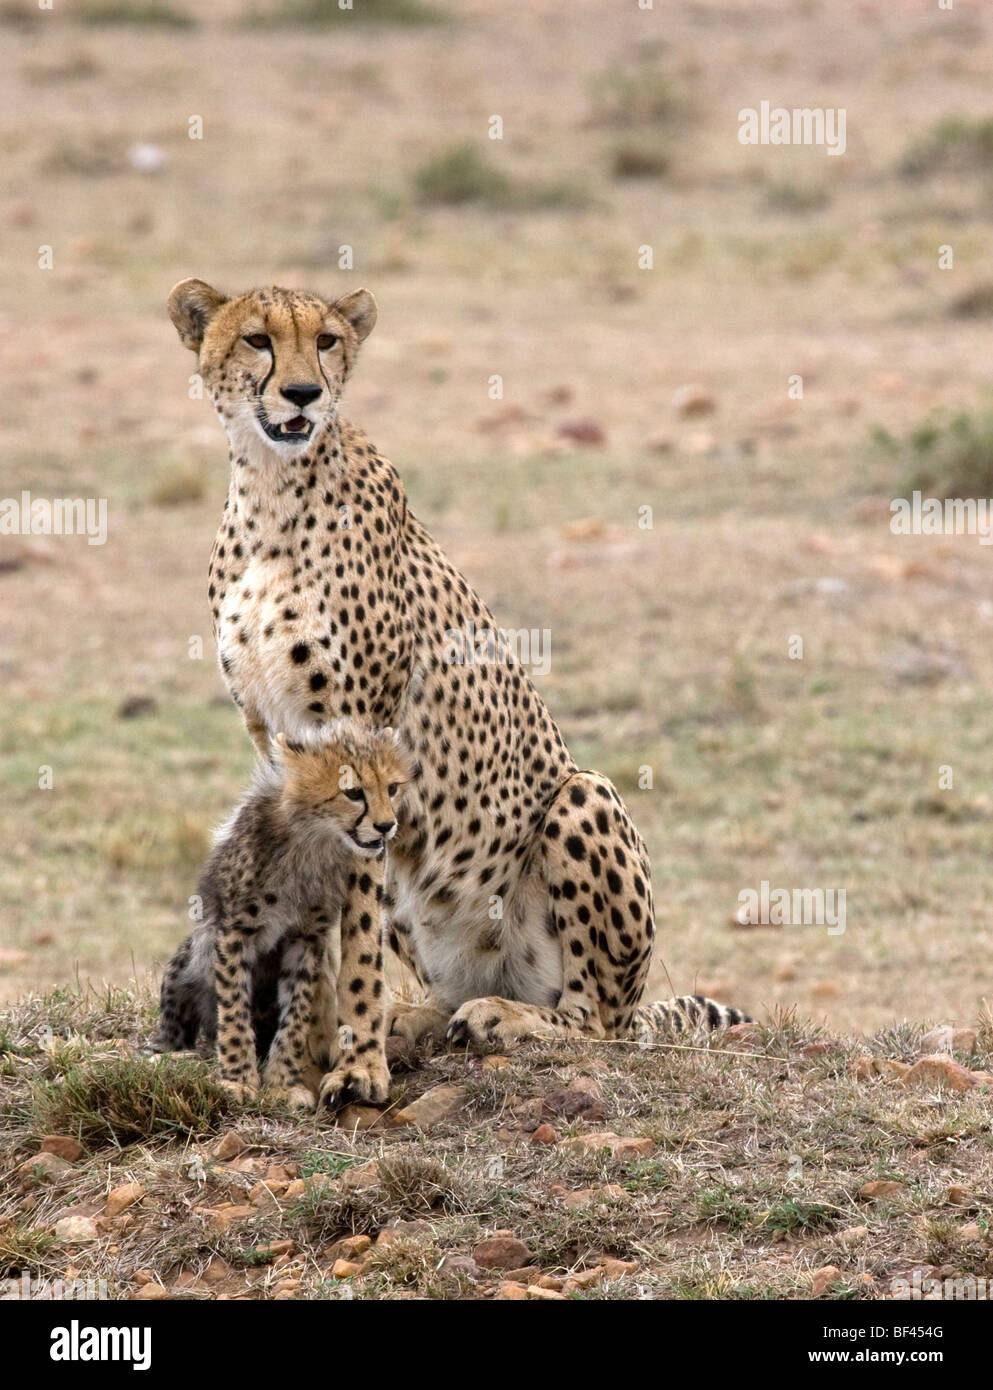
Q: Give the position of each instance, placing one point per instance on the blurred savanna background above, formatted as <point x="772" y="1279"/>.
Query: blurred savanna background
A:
<point x="645" y="288"/>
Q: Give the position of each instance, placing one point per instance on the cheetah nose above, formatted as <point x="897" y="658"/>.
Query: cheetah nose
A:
<point x="300" y="393"/>
<point x="385" y="827"/>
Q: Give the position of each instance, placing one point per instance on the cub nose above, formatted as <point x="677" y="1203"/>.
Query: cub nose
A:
<point x="300" y="393"/>
<point x="384" y="826"/>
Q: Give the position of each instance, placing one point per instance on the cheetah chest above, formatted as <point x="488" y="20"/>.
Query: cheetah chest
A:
<point x="274" y="647"/>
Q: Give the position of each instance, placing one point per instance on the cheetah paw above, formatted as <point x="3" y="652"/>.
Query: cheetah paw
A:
<point x="296" y="1097"/>
<point x="241" y="1091"/>
<point x="365" y="1082"/>
<point x="494" y="1023"/>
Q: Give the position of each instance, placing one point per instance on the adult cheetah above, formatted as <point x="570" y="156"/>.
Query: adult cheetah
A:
<point x="517" y="888"/>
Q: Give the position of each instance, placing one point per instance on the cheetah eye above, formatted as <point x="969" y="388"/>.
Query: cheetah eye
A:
<point x="391" y="790"/>
<point x="355" y="793"/>
<point x="262" y="341"/>
<point x="326" y="340"/>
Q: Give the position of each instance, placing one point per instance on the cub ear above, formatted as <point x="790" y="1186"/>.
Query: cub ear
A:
<point x="192" y="304"/>
<point x="358" y="309"/>
<point x="282" y="744"/>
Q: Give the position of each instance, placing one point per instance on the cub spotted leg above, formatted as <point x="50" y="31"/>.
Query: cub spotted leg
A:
<point x="235" y="1034"/>
<point x="360" y="1070"/>
<point x="288" y="1056"/>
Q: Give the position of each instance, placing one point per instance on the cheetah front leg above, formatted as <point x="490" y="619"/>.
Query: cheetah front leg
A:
<point x="288" y="1056"/>
<point x="233" y="982"/>
<point x="360" y="1069"/>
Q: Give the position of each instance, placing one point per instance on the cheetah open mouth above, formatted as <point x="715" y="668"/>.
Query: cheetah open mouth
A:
<point x="293" y="431"/>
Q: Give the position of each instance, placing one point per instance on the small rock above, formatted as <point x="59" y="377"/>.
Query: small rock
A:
<point x="853" y="1235"/>
<point x="515" y="1293"/>
<point x="527" y="1274"/>
<point x="135" y="706"/>
<point x="620" y="1146"/>
<point x="818" y="1049"/>
<point x="221" y="1218"/>
<point x="358" y="1176"/>
<point x="957" y="1196"/>
<point x="617" y="1269"/>
<point x="494" y="1062"/>
<point x="461" y="1265"/>
<point x="400" y="1231"/>
<point x="971" y="1231"/>
<point x="120" y="1198"/>
<point x="144" y="1276"/>
<point x="501" y="1252"/>
<point x="286" y="1289"/>
<point x="267" y="1194"/>
<point x="75" y="1230"/>
<point x="584" y="1278"/>
<point x="699" y="443"/>
<point x="145" y="158"/>
<point x="823" y="1278"/>
<point x="44" y="1167"/>
<point x="572" y="1105"/>
<point x="692" y="400"/>
<point x="216" y="1270"/>
<point x="432" y="1108"/>
<point x="534" y="1291"/>
<point x="152" y="1293"/>
<point x="949" y="1039"/>
<point x="348" y="1248"/>
<point x="358" y="1117"/>
<point x="549" y="1281"/>
<point x="872" y="1191"/>
<point x="939" y="1069"/>
<point x="345" y="1269"/>
<point x="229" y="1146"/>
<point x="544" y="1134"/>
<point x="583" y="431"/>
<point x="63" y="1146"/>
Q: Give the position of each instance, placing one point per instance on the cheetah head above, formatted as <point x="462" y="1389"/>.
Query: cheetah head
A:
<point x="274" y="361"/>
<point x="348" y="780"/>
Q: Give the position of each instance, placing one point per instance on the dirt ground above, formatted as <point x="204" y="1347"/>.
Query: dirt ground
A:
<point x="670" y="645"/>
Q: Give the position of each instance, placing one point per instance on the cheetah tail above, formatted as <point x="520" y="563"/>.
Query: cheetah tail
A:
<point x="690" y="1013"/>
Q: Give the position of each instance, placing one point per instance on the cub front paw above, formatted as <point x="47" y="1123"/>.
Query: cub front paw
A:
<point x="241" y="1091"/>
<point x="361" y="1080"/>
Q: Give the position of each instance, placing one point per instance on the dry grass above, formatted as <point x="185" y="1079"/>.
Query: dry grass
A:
<point x="751" y="1182"/>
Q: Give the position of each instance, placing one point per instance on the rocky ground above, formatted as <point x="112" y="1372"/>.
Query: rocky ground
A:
<point x="767" y="1163"/>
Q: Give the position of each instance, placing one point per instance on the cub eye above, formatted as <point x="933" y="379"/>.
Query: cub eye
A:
<point x="391" y="790"/>
<point x="326" y="340"/>
<point x="355" y="793"/>
<point x="259" y="340"/>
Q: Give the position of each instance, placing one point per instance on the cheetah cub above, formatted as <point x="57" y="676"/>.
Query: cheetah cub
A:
<point x="267" y="970"/>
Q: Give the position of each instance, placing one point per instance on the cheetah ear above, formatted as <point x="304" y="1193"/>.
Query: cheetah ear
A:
<point x="192" y="304"/>
<point x="283" y="747"/>
<point x="358" y="309"/>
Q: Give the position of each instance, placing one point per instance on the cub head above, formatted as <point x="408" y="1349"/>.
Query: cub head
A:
<point x="274" y="361"/>
<point x="347" y="780"/>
